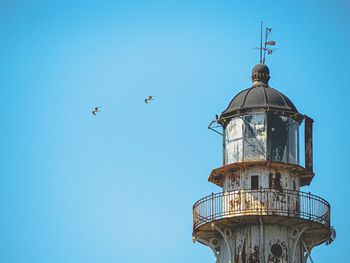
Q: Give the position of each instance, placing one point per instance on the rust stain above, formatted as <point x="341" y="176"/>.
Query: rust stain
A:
<point x="255" y="256"/>
<point x="275" y="181"/>
<point x="308" y="143"/>
<point x="282" y="258"/>
<point x="234" y="180"/>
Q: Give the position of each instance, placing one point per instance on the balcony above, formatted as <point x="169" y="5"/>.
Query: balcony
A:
<point x="243" y="207"/>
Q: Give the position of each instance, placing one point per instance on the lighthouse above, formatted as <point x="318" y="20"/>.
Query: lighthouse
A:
<point x="261" y="215"/>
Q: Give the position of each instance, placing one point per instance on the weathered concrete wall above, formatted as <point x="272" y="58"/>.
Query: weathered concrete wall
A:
<point x="241" y="198"/>
<point x="279" y="180"/>
<point x="259" y="244"/>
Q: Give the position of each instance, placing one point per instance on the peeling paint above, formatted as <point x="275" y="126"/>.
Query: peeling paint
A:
<point x="255" y="256"/>
<point x="276" y="258"/>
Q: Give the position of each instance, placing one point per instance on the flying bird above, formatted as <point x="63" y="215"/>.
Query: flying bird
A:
<point x="148" y="99"/>
<point x="97" y="109"/>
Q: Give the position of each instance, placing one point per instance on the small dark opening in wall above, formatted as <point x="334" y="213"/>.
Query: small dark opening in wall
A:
<point x="294" y="187"/>
<point x="276" y="250"/>
<point x="254" y="182"/>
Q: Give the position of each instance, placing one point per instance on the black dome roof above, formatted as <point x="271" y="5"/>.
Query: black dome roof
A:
<point x="259" y="97"/>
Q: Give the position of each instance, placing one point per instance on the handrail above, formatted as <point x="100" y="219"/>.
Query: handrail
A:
<point x="263" y="201"/>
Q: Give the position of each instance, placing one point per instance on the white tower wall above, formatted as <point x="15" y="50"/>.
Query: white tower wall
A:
<point x="267" y="178"/>
<point x="256" y="243"/>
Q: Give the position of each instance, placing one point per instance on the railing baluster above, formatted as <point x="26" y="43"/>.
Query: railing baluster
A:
<point x="212" y="206"/>
<point x="262" y="202"/>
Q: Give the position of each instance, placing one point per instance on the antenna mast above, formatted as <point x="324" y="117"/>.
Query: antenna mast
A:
<point x="261" y="30"/>
<point x="267" y="43"/>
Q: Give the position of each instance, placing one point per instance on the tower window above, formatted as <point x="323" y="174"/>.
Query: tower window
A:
<point x="254" y="182"/>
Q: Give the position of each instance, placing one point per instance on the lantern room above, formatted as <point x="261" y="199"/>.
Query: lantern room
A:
<point x="261" y="124"/>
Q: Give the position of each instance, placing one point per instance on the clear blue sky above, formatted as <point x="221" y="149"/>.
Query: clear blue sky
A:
<point x="120" y="187"/>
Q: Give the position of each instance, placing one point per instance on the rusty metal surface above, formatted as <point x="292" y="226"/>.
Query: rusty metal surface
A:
<point x="259" y="98"/>
<point x="218" y="174"/>
<point x="308" y="144"/>
<point x="261" y="202"/>
<point x="251" y="240"/>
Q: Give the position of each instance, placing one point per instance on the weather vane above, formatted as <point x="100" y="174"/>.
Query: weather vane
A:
<point x="267" y="43"/>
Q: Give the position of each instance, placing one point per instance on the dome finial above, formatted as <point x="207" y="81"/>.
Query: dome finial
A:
<point x="260" y="74"/>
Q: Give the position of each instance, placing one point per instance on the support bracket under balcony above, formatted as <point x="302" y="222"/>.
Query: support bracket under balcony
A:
<point x="214" y="227"/>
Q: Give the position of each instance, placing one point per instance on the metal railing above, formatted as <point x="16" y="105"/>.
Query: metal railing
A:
<point x="263" y="201"/>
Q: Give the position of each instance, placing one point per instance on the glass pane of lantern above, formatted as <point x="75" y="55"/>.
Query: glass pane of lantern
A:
<point x="282" y="142"/>
<point x="254" y="144"/>
<point x="293" y="141"/>
<point x="277" y="138"/>
<point x="234" y="141"/>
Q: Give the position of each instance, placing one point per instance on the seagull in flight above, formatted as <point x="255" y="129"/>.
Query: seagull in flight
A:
<point x="148" y="99"/>
<point x="97" y="109"/>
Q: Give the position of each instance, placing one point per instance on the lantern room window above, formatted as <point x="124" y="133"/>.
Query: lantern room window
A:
<point x="282" y="139"/>
<point x="261" y="137"/>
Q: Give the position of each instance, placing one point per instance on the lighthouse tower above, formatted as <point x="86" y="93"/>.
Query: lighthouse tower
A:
<point x="261" y="215"/>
